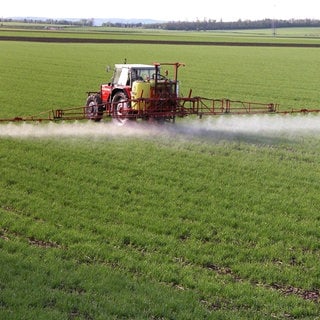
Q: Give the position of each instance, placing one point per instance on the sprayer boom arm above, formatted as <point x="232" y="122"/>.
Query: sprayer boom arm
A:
<point x="168" y="108"/>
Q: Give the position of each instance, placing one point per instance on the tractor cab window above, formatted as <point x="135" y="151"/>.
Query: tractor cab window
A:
<point x="141" y="74"/>
<point x="116" y="75"/>
<point x="136" y="75"/>
<point x="120" y="76"/>
<point x="123" y="79"/>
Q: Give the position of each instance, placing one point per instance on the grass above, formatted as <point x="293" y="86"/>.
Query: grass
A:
<point x="170" y="224"/>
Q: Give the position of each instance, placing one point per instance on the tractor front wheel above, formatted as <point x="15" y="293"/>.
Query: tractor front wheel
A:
<point x="94" y="108"/>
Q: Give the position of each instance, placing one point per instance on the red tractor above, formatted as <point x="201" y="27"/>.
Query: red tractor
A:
<point x="136" y="91"/>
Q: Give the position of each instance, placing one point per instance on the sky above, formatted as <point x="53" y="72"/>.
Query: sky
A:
<point x="167" y="10"/>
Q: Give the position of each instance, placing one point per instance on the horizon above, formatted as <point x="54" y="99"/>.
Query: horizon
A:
<point x="144" y="20"/>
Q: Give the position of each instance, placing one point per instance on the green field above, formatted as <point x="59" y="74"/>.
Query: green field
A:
<point x="309" y="36"/>
<point x="62" y="73"/>
<point x="206" y="219"/>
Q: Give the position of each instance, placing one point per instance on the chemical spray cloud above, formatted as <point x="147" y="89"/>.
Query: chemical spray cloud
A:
<point x="253" y="128"/>
<point x="68" y="129"/>
<point x="264" y="125"/>
<point x="287" y="126"/>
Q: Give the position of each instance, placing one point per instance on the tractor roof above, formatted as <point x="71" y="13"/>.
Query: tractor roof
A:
<point x="135" y="66"/>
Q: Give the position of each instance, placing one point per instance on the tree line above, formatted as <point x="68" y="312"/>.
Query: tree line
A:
<point x="206" y="25"/>
<point x="199" y="25"/>
<point x="62" y="22"/>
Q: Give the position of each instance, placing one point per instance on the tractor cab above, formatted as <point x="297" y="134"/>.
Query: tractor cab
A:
<point x="127" y="74"/>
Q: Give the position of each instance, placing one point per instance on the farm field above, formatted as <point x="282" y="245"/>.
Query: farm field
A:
<point x="286" y="36"/>
<point x="206" y="219"/>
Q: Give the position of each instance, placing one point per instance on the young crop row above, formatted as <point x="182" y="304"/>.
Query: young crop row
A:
<point x="174" y="223"/>
<point x="40" y="77"/>
<point x="173" y="214"/>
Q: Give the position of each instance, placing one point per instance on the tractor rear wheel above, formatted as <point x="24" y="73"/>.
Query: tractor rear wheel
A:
<point x="120" y="108"/>
<point x="94" y="109"/>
